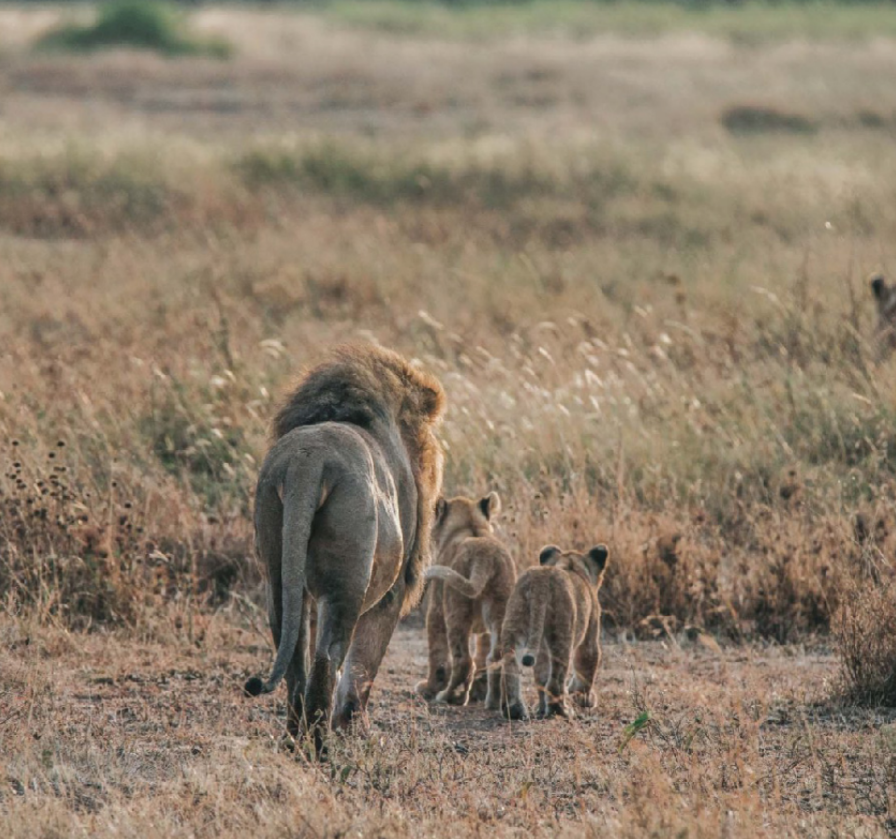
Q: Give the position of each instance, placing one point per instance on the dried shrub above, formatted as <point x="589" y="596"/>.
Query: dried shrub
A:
<point x="66" y="552"/>
<point x="81" y="549"/>
<point x="865" y="630"/>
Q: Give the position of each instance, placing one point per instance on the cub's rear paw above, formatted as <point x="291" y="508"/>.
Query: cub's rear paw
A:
<point x="479" y="689"/>
<point x="585" y="700"/>
<point x="426" y="690"/>
<point x="557" y="709"/>
<point x="444" y="697"/>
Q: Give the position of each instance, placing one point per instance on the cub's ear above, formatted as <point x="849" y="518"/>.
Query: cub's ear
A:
<point x="549" y="555"/>
<point x="878" y="285"/>
<point x="490" y="506"/>
<point x="441" y="508"/>
<point x="596" y="560"/>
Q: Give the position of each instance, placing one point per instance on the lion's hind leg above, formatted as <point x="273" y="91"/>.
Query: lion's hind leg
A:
<point x="365" y="655"/>
<point x="336" y="619"/>
<point x="297" y="677"/>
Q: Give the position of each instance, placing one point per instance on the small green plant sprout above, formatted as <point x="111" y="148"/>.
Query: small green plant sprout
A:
<point x="640" y="722"/>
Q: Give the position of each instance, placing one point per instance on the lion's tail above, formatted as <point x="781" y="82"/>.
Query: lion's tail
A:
<point x="537" y="614"/>
<point x="471" y="588"/>
<point x="299" y="506"/>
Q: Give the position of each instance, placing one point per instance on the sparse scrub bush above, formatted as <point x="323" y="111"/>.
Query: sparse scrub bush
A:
<point x="340" y="171"/>
<point x="139" y="24"/>
<point x="78" y="194"/>
<point x="760" y="119"/>
<point x="83" y="193"/>
<point x="344" y="171"/>
<point x="866" y="640"/>
<point x="66" y="553"/>
<point x="86" y="550"/>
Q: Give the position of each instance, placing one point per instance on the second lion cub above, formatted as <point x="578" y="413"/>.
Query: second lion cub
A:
<point x="475" y="576"/>
<point x="553" y="622"/>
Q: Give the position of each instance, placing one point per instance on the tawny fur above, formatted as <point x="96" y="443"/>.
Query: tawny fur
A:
<point x="553" y="622"/>
<point x="885" y="295"/>
<point x="343" y="516"/>
<point x="366" y="385"/>
<point x="470" y="589"/>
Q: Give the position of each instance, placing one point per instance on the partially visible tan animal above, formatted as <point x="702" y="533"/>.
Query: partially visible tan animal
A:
<point x="885" y="295"/>
<point x="477" y="574"/>
<point x="553" y="622"/>
<point x="343" y="514"/>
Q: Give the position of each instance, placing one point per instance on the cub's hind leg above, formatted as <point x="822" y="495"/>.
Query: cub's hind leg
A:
<point x="458" y="617"/>
<point x="542" y="678"/>
<point x="556" y="696"/>
<point x="479" y="689"/>
<point x="511" y="694"/>
<point x="493" y="677"/>
<point x="585" y="666"/>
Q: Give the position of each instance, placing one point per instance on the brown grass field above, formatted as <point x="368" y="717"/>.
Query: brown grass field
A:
<point x="637" y="261"/>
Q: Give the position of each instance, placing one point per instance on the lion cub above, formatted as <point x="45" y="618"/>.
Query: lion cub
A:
<point x="474" y="577"/>
<point x="553" y="622"/>
<point x="886" y="313"/>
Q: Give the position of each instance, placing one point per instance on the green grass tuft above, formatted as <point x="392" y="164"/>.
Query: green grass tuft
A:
<point x="141" y="24"/>
<point x="761" y="119"/>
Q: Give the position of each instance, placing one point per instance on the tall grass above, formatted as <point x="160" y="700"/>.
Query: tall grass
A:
<point x="605" y="396"/>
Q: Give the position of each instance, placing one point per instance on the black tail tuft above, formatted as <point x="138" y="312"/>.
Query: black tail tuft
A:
<point x="528" y="661"/>
<point x="254" y="687"/>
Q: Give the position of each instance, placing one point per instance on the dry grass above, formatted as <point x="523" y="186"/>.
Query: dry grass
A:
<point x="865" y="629"/>
<point x="648" y="326"/>
<point x="152" y="737"/>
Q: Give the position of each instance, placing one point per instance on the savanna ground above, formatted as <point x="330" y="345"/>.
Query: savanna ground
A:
<point x="633" y="241"/>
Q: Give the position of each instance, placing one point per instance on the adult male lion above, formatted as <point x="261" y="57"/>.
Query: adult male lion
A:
<point x="343" y="512"/>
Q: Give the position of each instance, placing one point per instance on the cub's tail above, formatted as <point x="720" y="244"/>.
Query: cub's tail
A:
<point x="537" y="614"/>
<point x="471" y="588"/>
